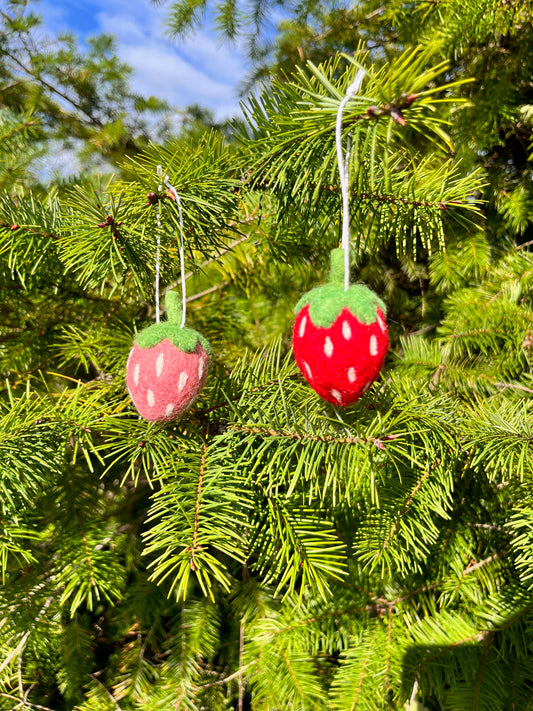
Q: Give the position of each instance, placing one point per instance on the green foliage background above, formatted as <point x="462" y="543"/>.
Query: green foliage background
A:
<point x="268" y="550"/>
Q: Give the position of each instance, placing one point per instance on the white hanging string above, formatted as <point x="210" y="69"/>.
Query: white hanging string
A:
<point x="173" y="190"/>
<point x="344" y="172"/>
<point x="158" y="251"/>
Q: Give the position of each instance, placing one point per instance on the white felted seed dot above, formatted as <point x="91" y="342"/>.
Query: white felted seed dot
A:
<point x="336" y="394"/>
<point x="170" y="408"/>
<point x="307" y="369"/>
<point x="373" y="346"/>
<point x="381" y="324"/>
<point x="200" y="368"/>
<point x="346" y="330"/>
<point x="136" y="372"/>
<point x="159" y="364"/>
<point x="352" y="377"/>
<point x="183" y="379"/>
<point x="367" y="386"/>
<point x="151" y="398"/>
<point x="303" y="323"/>
<point x="328" y="347"/>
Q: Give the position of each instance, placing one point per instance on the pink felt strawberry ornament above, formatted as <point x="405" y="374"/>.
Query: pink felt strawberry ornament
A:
<point x="340" y="334"/>
<point x="340" y="337"/>
<point x="167" y="366"/>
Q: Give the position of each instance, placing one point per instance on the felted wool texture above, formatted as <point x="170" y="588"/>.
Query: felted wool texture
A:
<point x="342" y="361"/>
<point x="326" y="301"/>
<point x="185" y="339"/>
<point x="163" y="381"/>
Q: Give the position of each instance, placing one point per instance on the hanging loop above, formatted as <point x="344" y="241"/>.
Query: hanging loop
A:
<point x="158" y="250"/>
<point x="343" y="162"/>
<point x="165" y="181"/>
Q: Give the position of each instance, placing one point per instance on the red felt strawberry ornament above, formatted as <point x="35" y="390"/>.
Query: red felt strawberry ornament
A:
<point x="340" y="337"/>
<point x="167" y="366"/>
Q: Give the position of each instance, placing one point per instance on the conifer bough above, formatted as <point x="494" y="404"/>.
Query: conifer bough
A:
<point x="340" y="337"/>
<point x="167" y="366"/>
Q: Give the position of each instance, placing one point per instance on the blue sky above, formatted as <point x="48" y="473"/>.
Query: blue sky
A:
<point x="197" y="70"/>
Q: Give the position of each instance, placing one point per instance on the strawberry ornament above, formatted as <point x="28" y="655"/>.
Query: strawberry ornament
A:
<point x="340" y="334"/>
<point x="167" y="366"/>
<point x="340" y="337"/>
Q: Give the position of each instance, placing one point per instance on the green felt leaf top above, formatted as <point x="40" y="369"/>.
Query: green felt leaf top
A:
<point x="326" y="302"/>
<point x="186" y="339"/>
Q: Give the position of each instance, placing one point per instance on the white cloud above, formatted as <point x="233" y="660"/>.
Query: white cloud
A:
<point x="164" y="73"/>
<point x="195" y="71"/>
<point x="220" y="61"/>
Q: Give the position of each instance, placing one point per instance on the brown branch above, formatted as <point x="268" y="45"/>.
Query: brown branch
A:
<point x="436" y="375"/>
<point x="392" y="200"/>
<point x="363" y="674"/>
<point x="39" y="79"/>
<point x="211" y="289"/>
<point x="298" y="435"/>
<point x="423" y="330"/>
<point x="477" y="332"/>
<point x="351" y="26"/>
<point x="412" y="593"/>
<point x="18" y="649"/>
<point x="389" y="640"/>
<point x="471" y="567"/>
<point x="27" y="229"/>
<point x="292" y="673"/>
<point x="514" y="386"/>
<point x="231" y="677"/>
<point x="328" y="614"/>
<point x="381" y="603"/>
<point x="478" y="637"/>
<point x="16" y="129"/>
<point x="11" y="85"/>
<point x="410" y="498"/>
<point x="109" y="694"/>
<point x="88" y="556"/>
<point x="229" y="248"/>
<point x="227" y="402"/>
<point x="241" y="656"/>
<point x="25" y="702"/>
<point x="481" y="670"/>
<point x="475" y="566"/>
<point x="253" y="429"/>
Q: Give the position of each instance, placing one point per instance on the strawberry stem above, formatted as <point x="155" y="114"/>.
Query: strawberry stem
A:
<point x="336" y="273"/>
<point x="173" y="307"/>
